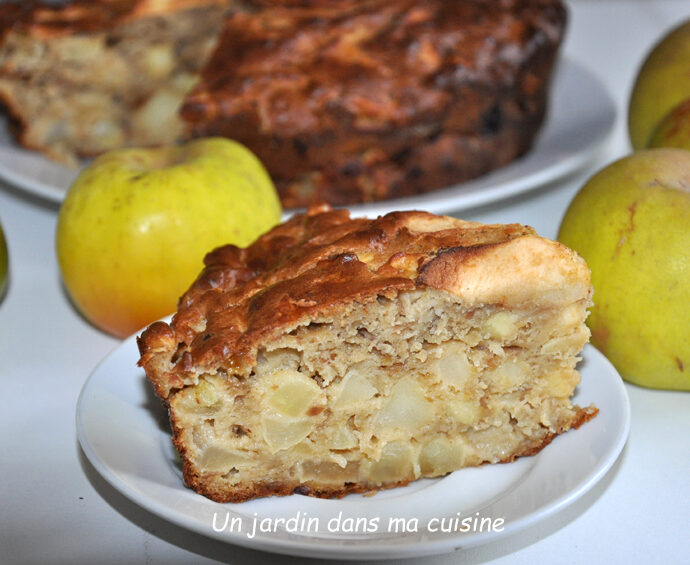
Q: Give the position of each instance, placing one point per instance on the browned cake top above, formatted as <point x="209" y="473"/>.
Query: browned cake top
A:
<point x="316" y="262"/>
<point x="366" y="65"/>
<point x="43" y="19"/>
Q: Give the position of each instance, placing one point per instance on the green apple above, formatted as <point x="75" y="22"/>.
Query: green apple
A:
<point x="136" y="224"/>
<point x="662" y="83"/>
<point x="630" y="223"/>
<point x="4" y="263"/>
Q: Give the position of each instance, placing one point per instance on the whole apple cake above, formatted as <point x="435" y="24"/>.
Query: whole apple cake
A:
<point x="338" y="355"/>
<point x="344" y="101"/>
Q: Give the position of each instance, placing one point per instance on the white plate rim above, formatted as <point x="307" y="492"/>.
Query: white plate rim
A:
<point x="613" y="419"/>
<point x="579" y="121"/>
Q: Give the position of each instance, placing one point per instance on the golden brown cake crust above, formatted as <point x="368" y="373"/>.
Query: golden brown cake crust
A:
<point x="357" y="101"/>
<point x="319" y="260"/>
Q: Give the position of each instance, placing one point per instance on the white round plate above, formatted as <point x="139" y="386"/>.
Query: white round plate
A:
<point x="581" y="116"/>
<point x="123" y="432"/>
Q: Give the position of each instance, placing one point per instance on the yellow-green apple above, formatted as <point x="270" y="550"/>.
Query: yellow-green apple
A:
<point x="674" y="129"/>
<point x="662" y="83"/>
<point x="631" y="222"/>
<point x="135" y="225"/>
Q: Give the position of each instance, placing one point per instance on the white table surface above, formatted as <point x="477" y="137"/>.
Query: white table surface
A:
<point x="55" y="508"/>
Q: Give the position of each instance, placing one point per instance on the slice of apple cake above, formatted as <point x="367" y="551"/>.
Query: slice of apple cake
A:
<point x="339" y="355"/>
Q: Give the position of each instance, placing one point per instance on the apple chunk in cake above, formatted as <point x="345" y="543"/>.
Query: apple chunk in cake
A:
<point x="340" y="355"/>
